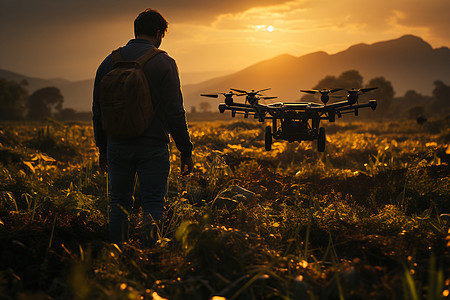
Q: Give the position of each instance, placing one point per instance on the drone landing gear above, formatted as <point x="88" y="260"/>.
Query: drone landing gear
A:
<point x="332" y="116"/>
<point x="268" y="138"/>
<point x="321" y="140"/>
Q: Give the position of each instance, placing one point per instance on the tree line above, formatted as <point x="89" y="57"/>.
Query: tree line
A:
<point x="411" y="105"/>
<point x="47" y="102"/>
<point x="17" y="104"/>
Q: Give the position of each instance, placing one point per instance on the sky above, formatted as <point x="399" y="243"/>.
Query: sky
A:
<point x="69" y="39"/>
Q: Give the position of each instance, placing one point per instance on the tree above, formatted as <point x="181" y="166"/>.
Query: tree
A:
<point x="414" y="97"/>
<point x="350" y="80"/>
<point x="44" y="103"/>
<point x="13" y="96"/>
<point x="346" y="80"/>
<point x="410" y="103"/>
<point x="416" y="111"/>
<point x="384" y="94"/>
<point x="440" y="103"/>
<point x="204" y="106"/>
<point x="441" y="92"/>
<point x="328" y="82"/>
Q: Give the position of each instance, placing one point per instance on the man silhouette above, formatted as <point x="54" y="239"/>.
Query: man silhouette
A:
<point x="146" y="155"/>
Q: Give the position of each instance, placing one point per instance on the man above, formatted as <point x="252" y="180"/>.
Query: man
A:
<point x="148" y="154"/>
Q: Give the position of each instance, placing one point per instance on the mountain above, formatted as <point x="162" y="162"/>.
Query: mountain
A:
<point x="408" y="62"/>
<point x="77" y="94"/>
<point x="197" y="77"/>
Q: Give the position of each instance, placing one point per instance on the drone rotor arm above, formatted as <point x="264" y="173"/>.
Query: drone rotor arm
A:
<point x="346" y="109"/>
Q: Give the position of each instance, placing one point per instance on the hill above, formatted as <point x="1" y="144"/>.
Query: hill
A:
<point x="408" y="62"/>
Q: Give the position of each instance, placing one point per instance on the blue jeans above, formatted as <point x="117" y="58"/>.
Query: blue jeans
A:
<point x="152" y="165"/>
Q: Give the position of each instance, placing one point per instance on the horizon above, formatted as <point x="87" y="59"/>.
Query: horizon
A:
<point x="69" y="41"/>
<point x="208" y="75"/>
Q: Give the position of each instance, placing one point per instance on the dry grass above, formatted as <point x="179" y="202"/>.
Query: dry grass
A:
<point x="367" y="219"/>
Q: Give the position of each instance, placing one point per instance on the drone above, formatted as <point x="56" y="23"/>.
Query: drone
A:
<point x="294" y="121"/>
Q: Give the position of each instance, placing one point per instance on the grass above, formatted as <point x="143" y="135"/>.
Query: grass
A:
<point x="367" y="219"/>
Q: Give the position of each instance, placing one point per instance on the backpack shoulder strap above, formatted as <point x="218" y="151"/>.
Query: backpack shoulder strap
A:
<point x="148" y="55"/>
<point x="116" y="57"/>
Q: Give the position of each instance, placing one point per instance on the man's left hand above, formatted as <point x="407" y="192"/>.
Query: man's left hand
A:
<point x="187" y="165"/>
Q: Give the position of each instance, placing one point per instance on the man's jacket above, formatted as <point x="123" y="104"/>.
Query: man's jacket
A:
<point x="164" y="83"/>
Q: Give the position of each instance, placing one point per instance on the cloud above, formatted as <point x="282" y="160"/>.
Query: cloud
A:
<point x="259" y="16"/>
<point x="65" y="37"/>
<point x="65" y="11"/>
<point x="54" y="37"/>
<point x="432" y="15"/>
<point x="20" y="16"/>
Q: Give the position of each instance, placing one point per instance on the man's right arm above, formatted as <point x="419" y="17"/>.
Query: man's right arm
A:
<point x="174" y="108"/>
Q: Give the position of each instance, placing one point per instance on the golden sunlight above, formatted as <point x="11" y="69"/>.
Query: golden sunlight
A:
<point x="261" y="28"/>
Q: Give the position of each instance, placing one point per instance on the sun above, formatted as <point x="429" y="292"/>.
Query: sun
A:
<point x="269" y="28"/>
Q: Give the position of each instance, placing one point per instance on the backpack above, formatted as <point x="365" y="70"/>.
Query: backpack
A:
<point x="125" y="102"/>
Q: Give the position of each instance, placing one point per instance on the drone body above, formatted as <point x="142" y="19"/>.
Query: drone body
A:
<point x="294" y="121"/>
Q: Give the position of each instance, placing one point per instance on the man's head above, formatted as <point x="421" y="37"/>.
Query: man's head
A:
<point x="150" y="23"/>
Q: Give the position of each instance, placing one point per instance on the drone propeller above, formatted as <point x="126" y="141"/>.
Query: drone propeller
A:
<point x="367" y="90"/>
<point x="310" y="91"/>
<point x="210" y="95"/>
<point x="215" y="95"/>
<point x="252" y="92"/>
<point x="239" y="91"/>
<point x="267" y="98"/>
<point x="361" y="91"/>
<point x="228" y="96"/>
<point x="353" y="94"/>
<point x="324" y="97"/>
<point x="251" y="96"/>
<point x="322" y="91"/>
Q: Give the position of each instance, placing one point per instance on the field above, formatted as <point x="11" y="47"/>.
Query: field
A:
<point x="367" y="219"/>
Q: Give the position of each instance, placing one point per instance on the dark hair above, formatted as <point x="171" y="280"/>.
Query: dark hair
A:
<point x="149" y="22"/>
